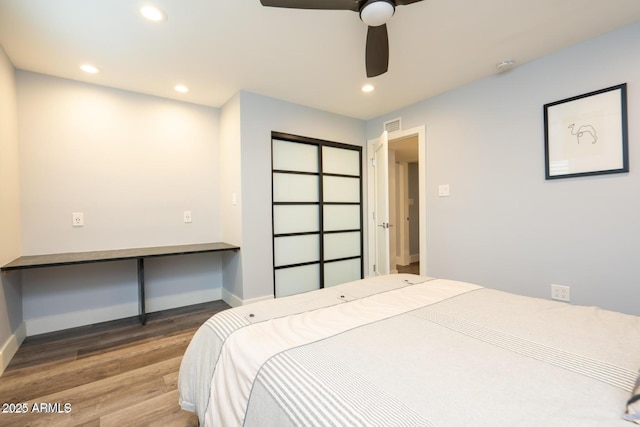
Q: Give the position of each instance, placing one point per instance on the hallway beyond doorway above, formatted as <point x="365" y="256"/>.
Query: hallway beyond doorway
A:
<point x="413" y="268"/>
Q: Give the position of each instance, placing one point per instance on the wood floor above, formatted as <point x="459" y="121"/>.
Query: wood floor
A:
<point x="413" y="268"/>
<point x="112" y="374"/>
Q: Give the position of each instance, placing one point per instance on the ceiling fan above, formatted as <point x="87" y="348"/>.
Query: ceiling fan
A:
<point x="374" y="13"/>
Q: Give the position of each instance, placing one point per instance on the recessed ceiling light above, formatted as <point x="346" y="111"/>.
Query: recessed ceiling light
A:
<point x="152" y="13"/>
<point x="181" y="88"/>
<point x="368" y="88"/>
<point x="88" y="68"/>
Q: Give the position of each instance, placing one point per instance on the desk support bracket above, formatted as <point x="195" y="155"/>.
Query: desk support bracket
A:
<point x="139" y="254"/>
<point x="141" y="300"/>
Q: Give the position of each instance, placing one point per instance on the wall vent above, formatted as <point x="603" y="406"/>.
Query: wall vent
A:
<point x="393" y="125"/>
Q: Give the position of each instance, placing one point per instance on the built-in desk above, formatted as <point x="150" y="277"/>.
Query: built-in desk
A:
<point x="139" y="254"/>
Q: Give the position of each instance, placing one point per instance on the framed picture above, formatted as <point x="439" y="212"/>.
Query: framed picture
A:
<point x="587" y="134"/>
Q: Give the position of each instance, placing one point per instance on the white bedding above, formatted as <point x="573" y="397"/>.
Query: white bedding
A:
<point x="387" y="352"/>
<point x="199" y="361"/>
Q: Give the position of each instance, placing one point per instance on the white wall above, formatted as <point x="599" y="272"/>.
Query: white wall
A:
<point x="393" y="204"/>
<point x="98" y="151"/>
<point x="231" y="198"/>
<point x="132" y="164"/>
<point x="504" y="226"/>
<point x="260" y="116"/>
<point x="11" y="326"/>
<point x="414" y="217"/>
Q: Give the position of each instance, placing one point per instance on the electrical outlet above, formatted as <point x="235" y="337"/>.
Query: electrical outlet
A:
<point x="560" y="293"/>
<point x="187" y="216"/>
<point x="77" y="219"/>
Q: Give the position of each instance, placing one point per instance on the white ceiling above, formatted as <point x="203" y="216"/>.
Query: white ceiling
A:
<point x="309" y="57"/>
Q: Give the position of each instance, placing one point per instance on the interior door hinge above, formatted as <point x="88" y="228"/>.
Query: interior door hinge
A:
<point x="373" y="162"/>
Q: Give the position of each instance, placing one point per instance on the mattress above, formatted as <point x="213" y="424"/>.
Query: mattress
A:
<point x="411" y="350"/>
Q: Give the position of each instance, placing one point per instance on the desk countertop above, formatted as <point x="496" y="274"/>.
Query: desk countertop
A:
<point x="48" y="260"/>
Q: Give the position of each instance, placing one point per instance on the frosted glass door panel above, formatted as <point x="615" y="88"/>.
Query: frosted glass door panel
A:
<point x="341" y="245"/>
<point x="339" y="189"/>
<point x="296" y="249"/>
<point x="292" y="156"/>
<point x="341" y="217"/>
<point x="291" y="281"/>
<point x="340" y="161"/>
<point x="317" y="213"/>
<point x="339" y="272"/>
<point x="295" y="188"/>
<point x="295" y="219"/>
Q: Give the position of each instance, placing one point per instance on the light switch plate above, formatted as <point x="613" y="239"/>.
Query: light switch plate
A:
<point x="443" y="190"/>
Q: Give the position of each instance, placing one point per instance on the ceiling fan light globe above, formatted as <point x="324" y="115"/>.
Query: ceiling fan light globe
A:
<point x="377" y="12"/>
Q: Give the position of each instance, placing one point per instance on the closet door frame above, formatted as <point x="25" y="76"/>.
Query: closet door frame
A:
<point x="320" y="205"/>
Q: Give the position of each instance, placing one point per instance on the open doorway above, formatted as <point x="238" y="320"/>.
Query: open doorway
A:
<point x="396" y="246"/>
<point x="404" y="185"/>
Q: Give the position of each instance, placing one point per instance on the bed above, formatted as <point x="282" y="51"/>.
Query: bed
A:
<point x="404" y="350"/>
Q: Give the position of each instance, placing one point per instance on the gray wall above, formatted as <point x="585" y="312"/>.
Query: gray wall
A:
<point x="504" y="226"/>
<point x="259" y="116"/>
<point x="11" y="327"/>
<point x="414" y="215"/>
<point x="132" y="164"/>
<point x="230" y="193"/>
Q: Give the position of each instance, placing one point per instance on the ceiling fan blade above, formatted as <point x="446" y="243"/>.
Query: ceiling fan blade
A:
<point x="377" y="52"/>
<point x="314" y="4"/>
<point x="405" y="2"/>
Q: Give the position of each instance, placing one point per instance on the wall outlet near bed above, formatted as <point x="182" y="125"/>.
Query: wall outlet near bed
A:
<point x="560" y="293"/>
<point x="77" y="219"/>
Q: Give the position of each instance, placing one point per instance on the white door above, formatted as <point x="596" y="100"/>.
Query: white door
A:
<point x="380" y="163"/>
<point x="377" y="179"/>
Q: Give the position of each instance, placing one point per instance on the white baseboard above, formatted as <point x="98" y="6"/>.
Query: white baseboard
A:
<point x="59" y="322"/>
<point x="231" y="299"/>
<point x="11" y="346"/>
<point x="234" y="301"/>
<point x="403" y="261"/>
<point x="410" y="260"/>
<point x="183" y="299"/>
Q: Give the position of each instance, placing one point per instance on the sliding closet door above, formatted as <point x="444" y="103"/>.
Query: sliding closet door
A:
<point x="317" y="213"/>
<point x="296" y="217"/>
<point x="342" y="215"/>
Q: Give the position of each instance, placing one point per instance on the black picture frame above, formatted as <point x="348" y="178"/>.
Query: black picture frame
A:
<point x="587" y="134"/>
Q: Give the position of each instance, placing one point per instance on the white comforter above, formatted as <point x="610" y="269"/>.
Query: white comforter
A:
<point x="436" y="353"/>
<point x="201" y="357"/>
